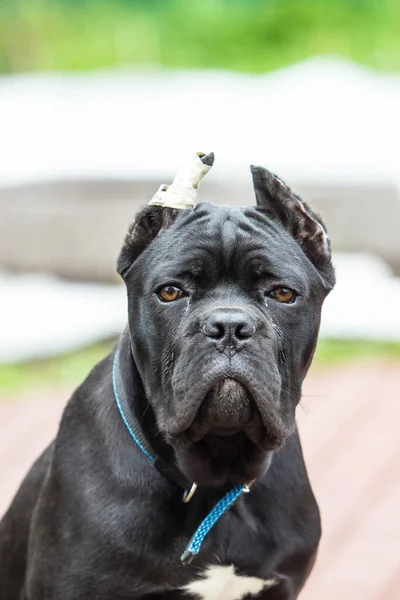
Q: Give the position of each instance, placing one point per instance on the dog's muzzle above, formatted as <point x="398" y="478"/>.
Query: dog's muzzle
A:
<point x="227" y="410"/>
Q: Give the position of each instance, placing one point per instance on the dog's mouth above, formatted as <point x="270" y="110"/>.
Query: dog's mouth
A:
<point x="228" y="411"/>
<point x="227" y="441"/>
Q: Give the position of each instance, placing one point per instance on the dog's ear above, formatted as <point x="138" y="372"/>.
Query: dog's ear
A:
<point x="277" y="200"/>
<point x="149" y="222"/>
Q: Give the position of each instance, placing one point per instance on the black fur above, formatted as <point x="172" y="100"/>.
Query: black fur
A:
<point x="93" y="518"/>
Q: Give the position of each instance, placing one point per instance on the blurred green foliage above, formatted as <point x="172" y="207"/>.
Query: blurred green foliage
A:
<point x="245" y="35"/>
<point x="66" y="372"/>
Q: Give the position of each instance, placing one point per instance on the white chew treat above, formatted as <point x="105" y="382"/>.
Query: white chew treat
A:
<point x="182" y="192"/>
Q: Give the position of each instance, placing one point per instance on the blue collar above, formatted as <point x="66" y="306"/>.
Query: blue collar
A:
<point x="194" y="545"/>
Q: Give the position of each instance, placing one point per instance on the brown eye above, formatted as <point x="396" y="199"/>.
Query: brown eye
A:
<point x="169" y="293"/>
<point x="283" y="294"/>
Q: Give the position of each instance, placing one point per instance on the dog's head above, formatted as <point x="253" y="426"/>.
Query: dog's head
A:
<point x="224" y="310"/>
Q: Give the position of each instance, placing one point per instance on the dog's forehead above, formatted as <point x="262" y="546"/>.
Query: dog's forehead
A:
<point x="228" y="238"/>
<point x="231" y="231"/>
<point x="223" y="225"/>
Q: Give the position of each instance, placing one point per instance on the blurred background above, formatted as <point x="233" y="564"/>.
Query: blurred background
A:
<point x="100" y="100"/>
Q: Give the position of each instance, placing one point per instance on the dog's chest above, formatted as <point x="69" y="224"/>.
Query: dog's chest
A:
<point x="220" y="581"/>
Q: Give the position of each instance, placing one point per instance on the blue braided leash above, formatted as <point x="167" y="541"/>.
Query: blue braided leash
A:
<point x="194" y="546"/>
<point x="121" y="412"/>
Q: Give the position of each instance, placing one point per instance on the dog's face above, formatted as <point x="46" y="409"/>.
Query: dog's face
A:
<point x="224" y="311"/>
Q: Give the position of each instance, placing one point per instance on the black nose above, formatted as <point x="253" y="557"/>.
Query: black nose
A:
<point x="229" y="326"/>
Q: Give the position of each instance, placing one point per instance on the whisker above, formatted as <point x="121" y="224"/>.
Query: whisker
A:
<point x="305" y="408"/>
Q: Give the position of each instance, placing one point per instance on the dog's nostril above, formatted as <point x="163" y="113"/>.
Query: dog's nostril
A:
<point x="214" y="330"/>
<point x="245" y="330"/>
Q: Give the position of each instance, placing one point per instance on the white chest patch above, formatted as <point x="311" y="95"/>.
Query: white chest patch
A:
<point x="221" y="582"/>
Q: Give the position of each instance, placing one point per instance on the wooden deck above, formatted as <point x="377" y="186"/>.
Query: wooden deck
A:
<point x="350" y="424"/>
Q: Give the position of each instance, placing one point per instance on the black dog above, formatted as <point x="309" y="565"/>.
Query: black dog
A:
<point x="224" y="311"/>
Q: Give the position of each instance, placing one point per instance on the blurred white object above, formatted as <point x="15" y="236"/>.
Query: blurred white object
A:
<point x="323" y="120"/>
<point x="365" y="302"/>
<point x="41" y="316"/>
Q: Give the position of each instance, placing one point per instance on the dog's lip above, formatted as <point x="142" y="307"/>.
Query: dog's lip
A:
<point x="202" y="426"/>
<point x="225" y="430"/>
<point x="215" y="389"/>
<point x="191" y="429"/>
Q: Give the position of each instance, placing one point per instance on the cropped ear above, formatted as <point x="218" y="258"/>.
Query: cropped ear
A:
<point x="149" y="222"/>
<point x="277" y="200"/>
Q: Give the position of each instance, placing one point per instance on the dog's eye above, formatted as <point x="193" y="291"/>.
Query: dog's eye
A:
<point x="282" y="294"/>
<point x="169" y="293"/>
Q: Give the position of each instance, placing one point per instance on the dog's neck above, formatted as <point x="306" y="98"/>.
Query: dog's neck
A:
<point x="139" y="403"/>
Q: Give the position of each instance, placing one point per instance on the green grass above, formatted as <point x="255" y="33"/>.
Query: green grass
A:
<point x="333" y="352"/>
<point x="63" y="371"/>
<point x="69" y="370"/>
<point x="244" y="35"/>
